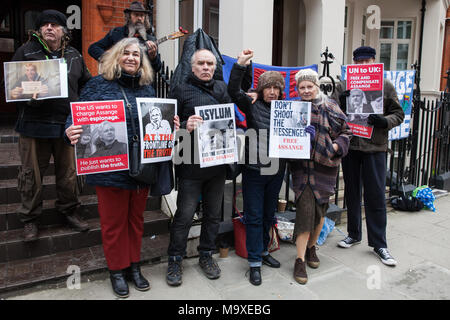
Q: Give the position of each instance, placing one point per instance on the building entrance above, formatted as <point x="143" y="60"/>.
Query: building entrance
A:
<point x="17" y="18"/>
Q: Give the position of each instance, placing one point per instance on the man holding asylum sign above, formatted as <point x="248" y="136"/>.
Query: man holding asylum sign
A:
<point x="199" y="89"/>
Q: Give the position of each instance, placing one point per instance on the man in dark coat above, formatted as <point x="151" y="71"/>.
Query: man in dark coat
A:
<point x="200" y="89"/>
<point x="41" y="127"/>
<point x="137" y="25"/>
<point x="365" y="166"/>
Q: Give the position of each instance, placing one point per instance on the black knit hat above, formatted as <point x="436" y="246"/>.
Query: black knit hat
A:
<point x="51" y="16"/>
<point x="136" y="6"/>
<point x="362" y="53"/>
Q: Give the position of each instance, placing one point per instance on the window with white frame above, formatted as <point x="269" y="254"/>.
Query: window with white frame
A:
<point x="363" y="31"/>
<point x="396" y="44"/>
<point x="344" y="55"/>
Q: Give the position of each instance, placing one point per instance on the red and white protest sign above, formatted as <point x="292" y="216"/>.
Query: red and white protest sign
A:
<point x="367" y="77"/>
<point x="103" y="145"/>
<point x="360" y="130"/>
<point x="365" y="82"/>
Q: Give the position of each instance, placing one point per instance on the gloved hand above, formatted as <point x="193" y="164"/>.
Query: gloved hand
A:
<point x="312" y="131"/>
<point x="378" y="121"/>
<point x="343" y="100"/>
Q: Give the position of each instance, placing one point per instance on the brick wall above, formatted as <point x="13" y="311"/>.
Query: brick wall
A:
<point x="95" y="28"/>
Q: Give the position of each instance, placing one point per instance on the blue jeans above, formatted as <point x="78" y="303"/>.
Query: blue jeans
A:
<point x="260" y="193"/>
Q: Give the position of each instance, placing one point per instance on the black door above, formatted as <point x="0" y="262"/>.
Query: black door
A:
<point x="17" y="17"/>
<point x="277" y="37"/>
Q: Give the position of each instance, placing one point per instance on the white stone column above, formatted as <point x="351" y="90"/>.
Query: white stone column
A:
<point x="246" y="24"/>
<point x="324" y="28"/>
<point x="433" y="37"/>
<point x="166" y="23"/>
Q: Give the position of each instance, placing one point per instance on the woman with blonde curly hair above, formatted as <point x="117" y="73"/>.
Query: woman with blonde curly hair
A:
<point x="111" y="67"/>
<point x="121" y="199"/>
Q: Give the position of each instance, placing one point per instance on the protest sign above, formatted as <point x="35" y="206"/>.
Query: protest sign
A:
<point x="40" y="79"/>
<point x="288" y="138"/>
<point x="156" y="127"/>
<point x="217" y="135"/>
<point x="103" y="145"/>
<point x="403" y="82"/>
<point x="288" y="73"/>
<point x="365" y="82"/>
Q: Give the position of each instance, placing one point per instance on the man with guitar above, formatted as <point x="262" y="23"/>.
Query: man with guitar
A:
<point x="137" y="25"/>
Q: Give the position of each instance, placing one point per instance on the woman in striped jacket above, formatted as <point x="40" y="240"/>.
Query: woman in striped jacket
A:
<point x="314" y="179"/>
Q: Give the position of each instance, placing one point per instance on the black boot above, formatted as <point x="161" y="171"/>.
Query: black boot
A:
<point x="75" y="222"/>
<point x="119" y="284"/>
<point x="133" y="273"/>
<point x="255" y="276"/>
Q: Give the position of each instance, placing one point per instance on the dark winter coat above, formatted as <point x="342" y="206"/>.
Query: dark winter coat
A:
<point x="392" y="111"/>
<point x="46" y="118"/>
<point x="321" y="171"/>
<point x="258" y="117"/>
<point x="191" y="94"/>
<point x="97" y="49"/>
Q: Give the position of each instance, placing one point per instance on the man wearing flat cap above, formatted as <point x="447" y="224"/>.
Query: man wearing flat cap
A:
<point x="137" y="25"/>
<point x="365" y="166"/>
<point x="41" y="127"/>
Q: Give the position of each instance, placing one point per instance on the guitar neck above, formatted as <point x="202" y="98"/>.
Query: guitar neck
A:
<point x="161" y="40"/>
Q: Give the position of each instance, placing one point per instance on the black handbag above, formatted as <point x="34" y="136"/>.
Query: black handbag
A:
<point x="165" y="181"/>
<point x="405" y="203"/>
<point x="148" y="172"/>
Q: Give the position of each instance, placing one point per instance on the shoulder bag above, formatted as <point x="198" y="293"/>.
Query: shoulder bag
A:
<point x="146" y="173"/>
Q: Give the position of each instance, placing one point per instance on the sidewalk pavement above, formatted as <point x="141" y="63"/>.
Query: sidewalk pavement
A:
<point x="420" y="241"/>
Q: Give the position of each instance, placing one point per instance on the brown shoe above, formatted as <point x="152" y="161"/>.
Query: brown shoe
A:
<point x="300" y="271"/>
<point x="30" y="232"/>
<point x="76" y="223"/>
<point x="311" y="257"/>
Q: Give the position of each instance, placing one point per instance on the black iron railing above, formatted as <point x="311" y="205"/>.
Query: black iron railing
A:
<point x="425" y="154"/>
<point x="162" y="82"/>
<point x="414" y="161"/>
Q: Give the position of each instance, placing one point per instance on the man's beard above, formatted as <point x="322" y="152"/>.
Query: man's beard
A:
<point x="137" y="28"/>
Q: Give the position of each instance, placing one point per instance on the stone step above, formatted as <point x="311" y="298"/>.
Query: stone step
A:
<point x="10" y="162"/>
<point x="9" y="219"/>
<point x="9" y="193"/>
<point x="52" y="268"/>
<point x="8" y="135"/>
<point x="56" y="239"/>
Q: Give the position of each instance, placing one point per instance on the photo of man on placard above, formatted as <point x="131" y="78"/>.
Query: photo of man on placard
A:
<point x="38" y="80"/>
<point x="357" y="102"/>
<point x="107" y="139"/>
<point x="157" y="118"/>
